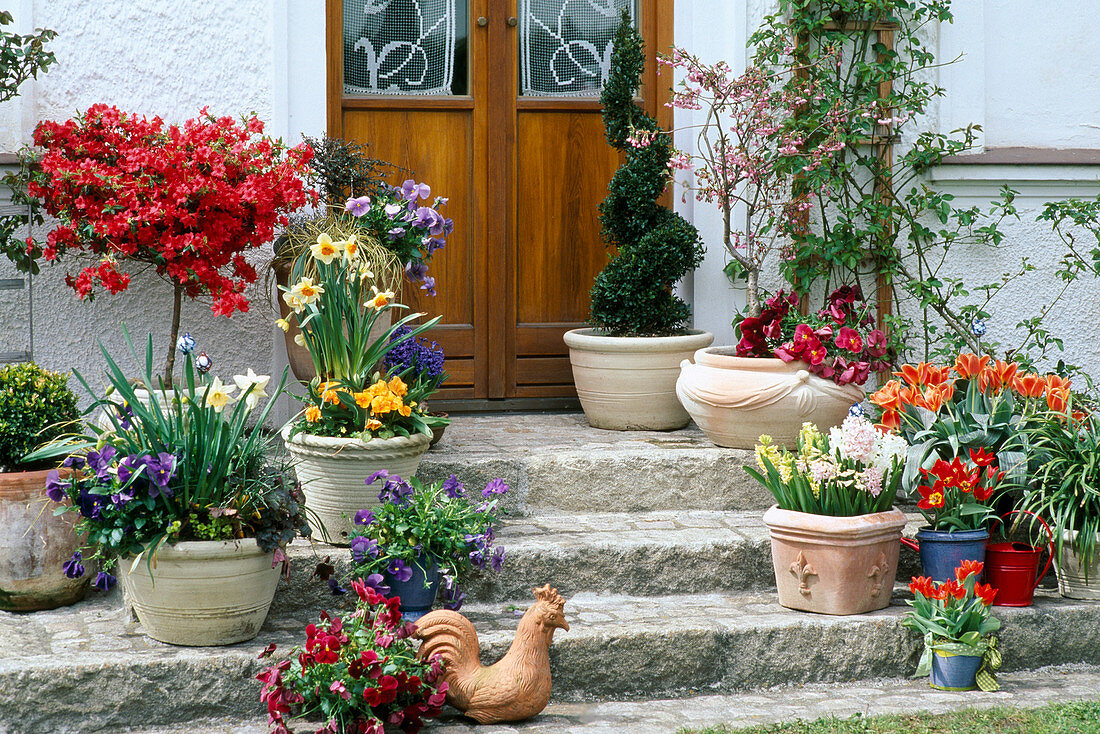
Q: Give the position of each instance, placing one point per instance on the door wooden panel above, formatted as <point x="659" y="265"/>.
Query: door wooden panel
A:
<point x="524" y="176"/>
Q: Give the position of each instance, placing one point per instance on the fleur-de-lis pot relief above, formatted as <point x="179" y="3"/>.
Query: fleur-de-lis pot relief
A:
<point x="802" y="570"/>
<point x="878" y="573"/>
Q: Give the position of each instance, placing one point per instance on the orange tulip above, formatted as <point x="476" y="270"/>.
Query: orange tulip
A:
<point x="1058" y="398"/>
<point x="915" y="375"/>
<point x="888" y="397"/>
<point x="970" y="365"/>
<point x="997" y="374"/>
<point x="1029" y="385"/>
<point x="1054" y="382"/>
<point x="891" y="421"/>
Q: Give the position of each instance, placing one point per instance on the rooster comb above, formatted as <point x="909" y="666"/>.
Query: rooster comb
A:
<point x="550" y="596"/>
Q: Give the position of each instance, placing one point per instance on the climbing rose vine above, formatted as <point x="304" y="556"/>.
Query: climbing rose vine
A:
<point x="188" y="199"/>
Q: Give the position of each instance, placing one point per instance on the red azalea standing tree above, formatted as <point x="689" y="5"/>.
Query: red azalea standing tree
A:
<point x="188" y="200"/>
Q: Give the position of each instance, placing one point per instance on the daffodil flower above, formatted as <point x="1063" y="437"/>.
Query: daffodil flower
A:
<point x="258" y="383"/>
<point x="299" y="339"/>
<point x="283" y="324"/>
<point x="217" y="395"/>
<point x="325" y="249"/>
<point x="306" y="291"/>
<point x="293" y="301"/>
<point x="381" y="298"/>
<point x="365" y="274"/>
<point x="351" y="248"/>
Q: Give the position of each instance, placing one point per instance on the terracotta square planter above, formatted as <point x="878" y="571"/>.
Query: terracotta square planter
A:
<point x="834" y="565"/>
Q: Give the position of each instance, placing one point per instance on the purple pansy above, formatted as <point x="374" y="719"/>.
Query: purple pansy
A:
<point x="400" y="570"/>
<point x="358" y="206"/>
<point x="74" y="568"/>
<point x="395" y="234"/>
<point x="453" y="488"/>
<point x="100" y="461"/>
<point x="364" y="517"/>
<point x="73" y="462"/>
<point x="396" y="491"/>
<point x="453" y="595"/>
<point x="411" y="190"/>
<point x="494" y="487"/>
<point x="380" y="474"/>
<point x="335" y="587"/>
<point x="55" y="489"/>
<point x="497" y="561"/>
<point x="129" y="466"/>
<point x="428" y="286"/>
<point x="392" y="210"/>
<point x="160" y="471"/>
<point x="415" y="270"/>
<point x="377" y="582"/>
<point x="363" y="548"/>
<point x="104" y="581"/>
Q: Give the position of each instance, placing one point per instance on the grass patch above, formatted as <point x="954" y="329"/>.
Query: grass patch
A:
<point x="1063" y="718"/>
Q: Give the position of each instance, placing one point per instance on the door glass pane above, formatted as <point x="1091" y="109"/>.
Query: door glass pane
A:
<point x="405" y="47"/>
<point x="565" y="45"/>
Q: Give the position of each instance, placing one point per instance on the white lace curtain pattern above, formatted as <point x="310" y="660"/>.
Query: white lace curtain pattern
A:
<point x="399" y="46"/>
<point x="566" y="45"/>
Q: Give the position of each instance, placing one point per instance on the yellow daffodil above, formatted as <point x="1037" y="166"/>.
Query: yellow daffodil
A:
<point x="381" y="298"/>
<point x="306" y="291"/>
<point x="217" y="395"/>
<point x="283" y="324"/>
<point x="258" y="383"/>
<point x="351" y="248"/>
<point x="325" y="249"/>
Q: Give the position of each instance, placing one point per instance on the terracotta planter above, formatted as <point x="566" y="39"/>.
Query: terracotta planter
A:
<point x="629" y="383"/>
<point x="1072" y="581"/>
<point x="33" y="545"/>
<point x="334" y="471"/>
<point x="736" y="399"/>
<point x="301" y="363"/>
<point x="834" y="565"/>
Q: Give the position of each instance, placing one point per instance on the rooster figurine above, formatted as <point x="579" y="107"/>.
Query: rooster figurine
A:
<point x="517" y="686"/>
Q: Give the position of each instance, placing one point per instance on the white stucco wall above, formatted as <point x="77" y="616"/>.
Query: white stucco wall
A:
<point x="168" y="58"/>
<point x="1029" y="79"/>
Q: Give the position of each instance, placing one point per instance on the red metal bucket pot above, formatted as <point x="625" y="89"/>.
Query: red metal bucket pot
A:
<point x="1013" y="569"/>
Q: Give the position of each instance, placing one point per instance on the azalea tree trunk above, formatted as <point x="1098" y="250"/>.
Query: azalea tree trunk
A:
<point x="173" y="336"/>
<point x="752" y="285"/>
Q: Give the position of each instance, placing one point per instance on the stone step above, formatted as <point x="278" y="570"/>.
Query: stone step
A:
<point x="1024" y="689"/>
<point x="641" y="554"/>
<point x="557" y="462"/>
<point x="99" y="673"/>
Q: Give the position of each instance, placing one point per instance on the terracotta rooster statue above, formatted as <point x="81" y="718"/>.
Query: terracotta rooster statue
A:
<point x="516" y="687"/>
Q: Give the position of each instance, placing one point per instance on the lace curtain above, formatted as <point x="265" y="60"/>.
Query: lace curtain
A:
<point x="565" y="45"/>
<point x="399" y="46"/>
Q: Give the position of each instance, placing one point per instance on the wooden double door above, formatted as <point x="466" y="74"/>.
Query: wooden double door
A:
<point x="494" y="104"/>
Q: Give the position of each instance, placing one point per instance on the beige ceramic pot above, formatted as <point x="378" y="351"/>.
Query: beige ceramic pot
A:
<point x="834" y="565"/>
<point x="629" y="383"/>
<point x="736" y="399"/>
<point x="33" y="544"/>
<point x="201" y="593"/>
<point x="333" y="473"/>
<point x="1072" y="580"/>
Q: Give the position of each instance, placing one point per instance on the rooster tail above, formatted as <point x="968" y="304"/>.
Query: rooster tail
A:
<point x="450" y="636"/>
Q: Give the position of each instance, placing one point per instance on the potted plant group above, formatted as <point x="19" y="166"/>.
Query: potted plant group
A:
<point x="834" y="530"/>
<point x="953" y="617"/>
<point x="189" y="201"/>
<point x="964" y="425"/>
<point x="421" y="538"/>
<point x="1066" y="491"/>
<point x="625" y="367"/>
<point x="359" y="417"/>
<point x="359" y="673"/>
<point x="36" y="407"/>
<point x="182" y="505"/>
<point x="788" y="368"/>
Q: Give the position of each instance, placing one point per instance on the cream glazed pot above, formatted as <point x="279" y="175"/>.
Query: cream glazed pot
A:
<point x="835" y="565"/>
<point x="628" y="383"/>
<point x="334" y="471"/>
<point x="736" y="399"/>
<point x="201" y="593"/>
<point x="1072" y="580"/>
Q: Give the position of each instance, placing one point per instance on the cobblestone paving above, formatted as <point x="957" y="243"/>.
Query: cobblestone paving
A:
<point x="1024" y="690"/>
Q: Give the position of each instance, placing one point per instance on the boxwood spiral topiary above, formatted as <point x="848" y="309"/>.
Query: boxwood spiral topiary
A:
<point x="656" y="247"/>
<point x="36" y="406"/>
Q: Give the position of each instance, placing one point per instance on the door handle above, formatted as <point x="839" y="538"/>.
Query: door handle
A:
<point x="483" y="21"/>
<point x="513" y="22"/>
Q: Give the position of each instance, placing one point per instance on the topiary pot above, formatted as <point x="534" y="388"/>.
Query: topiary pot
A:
<point x="628" y="383"/>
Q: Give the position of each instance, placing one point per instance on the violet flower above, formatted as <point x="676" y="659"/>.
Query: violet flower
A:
<point x="400" y="570"/>
<point x="494" y="487"/>
<point x="358" y="206"/>
<point x="100" y="461"/>
<point x="453" y="596"/>
<point x="453" y="488"/>
<point x="497" y="561"/>
<point x="73" y="567"/>
<point x="362" y="548"/>
<point x="104" y="581"/>
<point x="55" y="489"/>
<point x="364" y="517"/>
<point x="380" y="474"/>
<point x="377" y="582"/>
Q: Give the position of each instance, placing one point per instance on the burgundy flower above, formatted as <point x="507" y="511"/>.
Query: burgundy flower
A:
<point x="876" y="343"/>
<point x="849" y="340"/>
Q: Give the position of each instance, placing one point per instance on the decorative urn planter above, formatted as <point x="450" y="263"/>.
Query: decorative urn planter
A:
<point x="834" y="565"/>
<point x="33" y="544"/>
<point x="333" y="473"/>
<point x="201" y="593"/>
<point x="1073" y="582"/>
<point x="736" y="399"/>
<point x="165" y="399"/>
<point x="629" y="383"/>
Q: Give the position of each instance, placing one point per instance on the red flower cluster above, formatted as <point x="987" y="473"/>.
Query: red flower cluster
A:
<point x="366" y="669"/>
<point x="957" y="476"/>
<point x="955" y="589"/>
<point x="188" y="200"/>
<point x="836" y="344"/>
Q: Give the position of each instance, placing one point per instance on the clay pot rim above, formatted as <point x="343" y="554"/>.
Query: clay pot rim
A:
<point x="354" y="444"/>
<point x="26" y="485"/>
<point x="199" y="550"/>
<point x="874" y="524"/>
<point x="589" y="340"/>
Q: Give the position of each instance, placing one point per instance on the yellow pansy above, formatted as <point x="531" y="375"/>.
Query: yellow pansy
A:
<point x="313" y="414"/>
<point x="306" y="291"/>
<point x="397" y="386"/>
<point x="324" y="249"/>
<point x="373" y="424"/>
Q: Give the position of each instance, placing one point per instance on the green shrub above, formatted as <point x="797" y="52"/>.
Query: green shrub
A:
<point x="656" y="247"/>
<point x="36" y="406"/>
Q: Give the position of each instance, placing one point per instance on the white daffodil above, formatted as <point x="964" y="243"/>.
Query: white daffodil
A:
<point x="381" y="298"/>
<point x="217" y="395"/>
<point x="258" y="383"/>
<point x="351" y="248"/>
<point x="299" y="339"/>
<point x="293" y="302"/>
<point x="306" y="291"/>
<point x="325" y="249"/>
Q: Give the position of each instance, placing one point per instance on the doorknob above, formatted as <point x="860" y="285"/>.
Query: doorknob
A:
<point x="483" y="21"/>
<point x="513" y="22"/>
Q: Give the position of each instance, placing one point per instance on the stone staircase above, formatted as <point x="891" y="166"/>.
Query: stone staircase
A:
<point x="654" y="539"/>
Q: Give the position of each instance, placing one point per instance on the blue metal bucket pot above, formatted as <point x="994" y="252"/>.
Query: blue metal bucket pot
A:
<point x="942" y="552"/>
<point x="954" y="672"/>
<point x="418" y="593"/>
